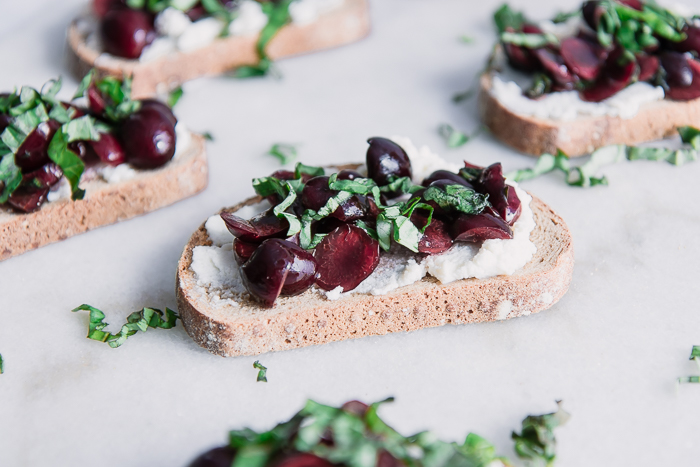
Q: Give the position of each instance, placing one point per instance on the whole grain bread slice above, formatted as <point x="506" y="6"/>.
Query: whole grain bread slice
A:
<point x="106" y="203"/>
<point x="536" y="136"/>
<point x="309" y="319"/>
<point x="346" y="24"/>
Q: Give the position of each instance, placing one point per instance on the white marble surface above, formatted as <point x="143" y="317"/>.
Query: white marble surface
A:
<point x="611" y="349"/>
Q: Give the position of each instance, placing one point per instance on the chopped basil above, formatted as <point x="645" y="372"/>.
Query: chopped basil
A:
<point x="457" y="197"/>
<point x="300" y="169"/>
<point x="505" y="18"/>
<point x="541" y="85"/>
<point x="360" y="437"/>
<point x="585" y="175"/>
<point x="10" y="176"/>
<point x="286" y="153"/>
<point x="208" y="136"/>
<point x="137" y="321"/>
<point x="536" y="441"/>
<point x="531" y="41"/>
<point x="402" y="185"/>
<point x="453" y="138"/>
<point x="695" y="356"/>
<point x="2" y="365"/>
<point x="464" y="38"/>
<point x="262" y="371"/>
<point x="464" y="95"/>
<point x="84" y="84"/>
<point x="294" y="223"/>
<point x="68" y="161"/>
<point x="174" y="96"/>
<point x="278" y="16"/>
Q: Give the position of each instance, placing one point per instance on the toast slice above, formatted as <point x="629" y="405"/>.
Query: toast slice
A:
<point x="106" y="203"/>
<point x="346" y="24"/>
<point x="535" y="136"/>
<point x="310" y="319"/>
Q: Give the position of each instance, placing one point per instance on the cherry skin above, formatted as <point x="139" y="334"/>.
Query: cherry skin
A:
<point x="345" y="258"/>
<point x="243" y="250"/>
<point x="302" y="459"/>
<point x="161" y="107"/>
<point x="46" y="176"/>
<point x="108" y="149"/>
<point x="148" y="137"/>
<point x="446" y="175"/>
<point x="484" y="226"/>
<point x="436" y="237"/>
<point x="125" y="32"/>
<point x="258" y="229"/>
<point x="386" y="159"/>
<point x="28" y="198"/>
<point x="217" y="457"/>
<point x="581" y="58"/>
<point x="33" y="152"/>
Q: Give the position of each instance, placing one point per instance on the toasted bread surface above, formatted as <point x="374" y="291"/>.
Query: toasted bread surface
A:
<point x="105" y="203"/>
<point x="535" y="136"/>
<point x="346" y="24"/>
<point x="310" y="319"/>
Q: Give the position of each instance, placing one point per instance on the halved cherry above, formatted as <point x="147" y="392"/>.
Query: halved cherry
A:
<point x="316" y="194"/>
<point x="33" y="152"/>
<point x="278" y="267"/>
<point x="108" y="149"/>
<point x="46" y="176"/>
<point x="345" y="258"/>
<point x="446" y="175"/>
<point x="28" y="198"/>
<point x="514" y="206"/>
<point x="617" y="73"/>
<point x="648" y="66"/>
<point x="493" y="183"/>
<point x="480" y="227"/>
<point x="257" y="229"/>
<point x="521" y="58"/>
<point x="243" y="250"/>
<point x="581" y="58"/>
<point x="555" y="66"/>
<point x="96" y="101"/>
<point x="690" y="44"/>
<point x="125" y="32"/>
<point x="592" y="11"/>
<point x="678" y="71"/>
<point x="436" y="238"/>
<point x="349" y="175"/>
<point x="386" y="159"/>
<point x="689" y="92"/>
<point x="218" y="457"/>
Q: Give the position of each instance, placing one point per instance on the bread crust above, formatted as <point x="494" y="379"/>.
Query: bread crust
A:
<point x="346" y="24"/>
<point x="309" y="319"/>
<point x="105" y="203"/>
<point x="535" y="136"/>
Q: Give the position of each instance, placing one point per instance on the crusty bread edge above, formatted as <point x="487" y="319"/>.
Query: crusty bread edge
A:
<point x="535" y="136"/>
<point x="310" y="320"/>
<point x="106" y="203"/>
<point x="348" y="23"/>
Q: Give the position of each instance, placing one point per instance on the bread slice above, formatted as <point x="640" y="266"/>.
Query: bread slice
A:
<point x="346" y="24"/>
<point x="105" y="203"/>
<point x="310" y="319"/>
<point x="535" y="136"/>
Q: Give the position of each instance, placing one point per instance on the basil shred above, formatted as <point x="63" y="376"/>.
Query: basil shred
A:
<point x="360" y="436"/>
<point x="262" y="371"/>
<point x="585" y="175"/>
<point x="393" y="222"/>
<point x="694" y="356"/>
<point x="2" y="365"/>
<point x="135" y="322"/>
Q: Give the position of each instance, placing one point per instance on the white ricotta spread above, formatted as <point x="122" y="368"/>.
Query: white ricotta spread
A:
<point x="567" y="105"/>
<point x="178" y="33"/>
<point x="398" y="267"/>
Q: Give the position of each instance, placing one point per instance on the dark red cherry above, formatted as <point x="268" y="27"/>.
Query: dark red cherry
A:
<point x="5" y="121"/>
<point x="436" y="238"/>
<point x="196" y="12"/>
<point x="83" y="149"/>
<point x="648" y="66"/>
<point x="634" y="4"/>
<point x="689" y="92"/>
<point x="243" y="250"/>
<point x="125" y="32"/>
<point x="355" y="407"/>
<point x="275" y="267"/>
<point x="345" y="257"/>
<point x="316" y="193"/>
<point x="108" y="149"/>
<point x="691" y="43"/>
<point x="46" y="176"/>
<point x="592" y="11"/>
<point x="514" y="206"/>
<point x="529" y="28"/>
<point x="385" y="459"/>
<point x="616" y="74"/>
<point x="257" y="229"/>
<point x="555" y="67"/>
<point x="160" y="107"/>
<point x="302" y="459"/>
<point x="33" y="152"/>
<point x="28" y="198"/>
<point x="484" y="226"/>
<point x="678" y="71"/>
<point x="96" y="101"/>
<point x="349" y="175"/>
<point x="386" y="159"/>
<point x="327" y="225"/>
<point x="217" y="457"/>
<point x="521" y="58"/>
<point x="493" y="183"/>
<point x="581" y="58"/>
<point x="446" y="175"/>
<point x="148" y="138"/>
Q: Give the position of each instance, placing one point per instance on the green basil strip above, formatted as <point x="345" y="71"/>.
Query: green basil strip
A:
<point x="82" y="128"/>
<point x="536" y="442"/>
<point x="300" y="169"/>
<point x="384" y="227"/>
<point x="458" y="198"/>
<point x="84" y="84"/>
<point x="29" y="120"/>
<point x="175" y="96"/>
<point x="453" y="138"/>
<point x="262" y="371"/>
<point x="505" y="17"/>
<point x="695" y="352"/>
<point x="406" y="233"/>
<point x="531" y="41"/>
<point x="28" y="98"/>
<point x="2" y="365"/>
<point x="368" y="230"/>
<point x="294" y="223"/>
<point x="10" y="176"/>
<point x="286" y="153"/>
<point x="137" y="321"/>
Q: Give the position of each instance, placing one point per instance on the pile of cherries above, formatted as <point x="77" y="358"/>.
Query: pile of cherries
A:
<point x="272" y="264"/>
<point x="287" y="456"/>
<point x="581" y="62"/>
<point x="145" y="139"/>
<point x="126" y="31"/>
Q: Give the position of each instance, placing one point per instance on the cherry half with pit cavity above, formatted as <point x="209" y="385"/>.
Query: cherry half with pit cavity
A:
<point x="345" y="258"/>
